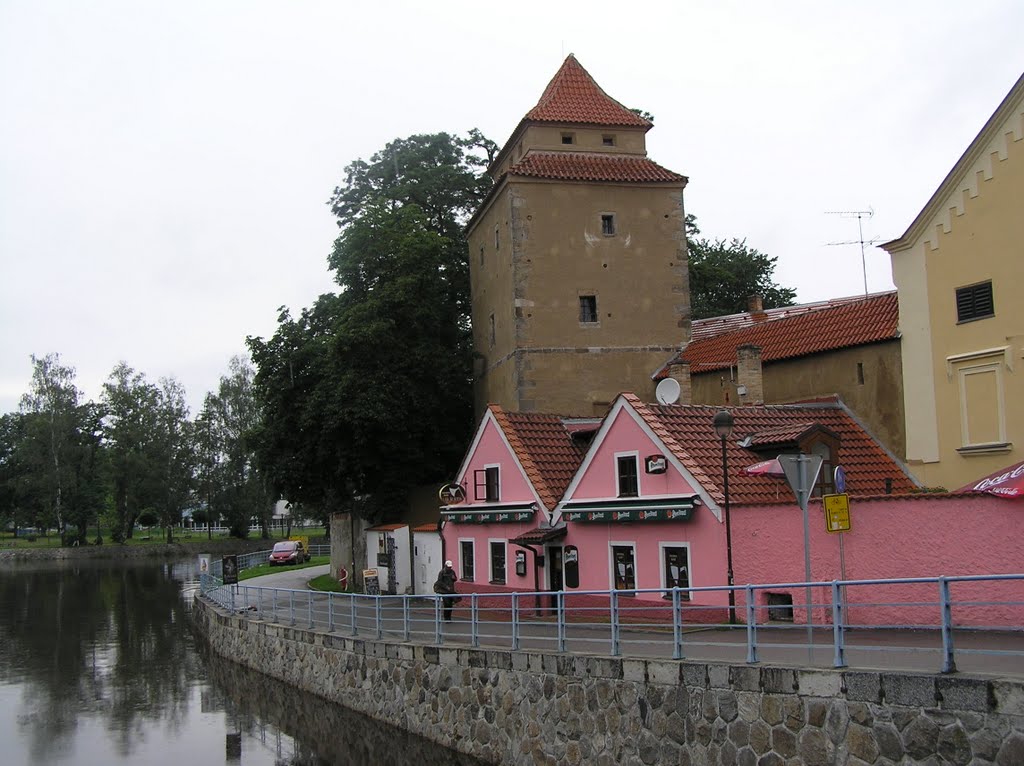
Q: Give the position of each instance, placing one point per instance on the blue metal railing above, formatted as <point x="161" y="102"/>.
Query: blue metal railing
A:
<point x="681" y="623"/>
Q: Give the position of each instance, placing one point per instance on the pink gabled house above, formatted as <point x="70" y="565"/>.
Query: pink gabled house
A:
<point x="635" y="501"/>
<point x="511" y="480"/>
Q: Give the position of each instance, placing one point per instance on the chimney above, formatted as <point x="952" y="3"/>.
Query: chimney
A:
<point x="680" y="372"/>
<point x="749" y="388"/>
<point x="755" y="305"/>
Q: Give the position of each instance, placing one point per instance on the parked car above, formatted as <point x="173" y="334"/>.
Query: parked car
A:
<point x="288" y="552"/>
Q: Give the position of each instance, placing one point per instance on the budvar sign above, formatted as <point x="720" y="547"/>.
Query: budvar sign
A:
<point x="1008" y="482"/>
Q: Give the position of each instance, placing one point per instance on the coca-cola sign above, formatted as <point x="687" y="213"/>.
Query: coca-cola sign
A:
<point x="1008" y="482"/>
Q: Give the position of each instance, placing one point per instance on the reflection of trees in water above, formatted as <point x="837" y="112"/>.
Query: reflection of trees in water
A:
<point x="342" y="736"/>
<point x="98" y="641"/>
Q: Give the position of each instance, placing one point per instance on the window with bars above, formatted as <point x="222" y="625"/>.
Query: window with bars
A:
<point x="608" y="224"/>
<point x="974" y="302"/>
<point x="588" y="309"/>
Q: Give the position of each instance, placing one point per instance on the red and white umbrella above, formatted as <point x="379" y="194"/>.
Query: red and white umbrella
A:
<point x="765" y="468"/>
<point x="1008" y="482"/>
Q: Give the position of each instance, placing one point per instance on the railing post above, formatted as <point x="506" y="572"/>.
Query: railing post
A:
<point x="614" y="605"/>
<point x="838" y="626"/>
<point x="311" y="610"/>
<point x="405" y="619"/>
<point x="259" y="603"/>
<point x="677" y="625"/>
<point x="330" y="612"/>
<point x="438" y="634"/>
<point x="353" y="614"/>
<point x="945" y="603"/>
<point x="474" y="627"/>
<point x="377" y="616"/>
<point x="274" y="604"/>
<point x="291" y="607"/>
<point x="515" y="622"/>
<point x="748" y="593"/>
<point x="561" y="620"/>
<point x="233" y="598"/>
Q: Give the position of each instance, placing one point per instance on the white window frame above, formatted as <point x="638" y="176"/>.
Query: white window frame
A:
<point x="635" y="454"/>
<point x="462" y="566"/>
<point x="490" y="560"/>
<point x="612" y="545"/>
<point x="995" y="367"/>
<point x="497" y="467"/>
<point x="662" y="545"/>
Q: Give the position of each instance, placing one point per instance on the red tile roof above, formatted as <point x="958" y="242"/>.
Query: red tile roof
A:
<point x="692" y="439"/>
<point x="793" y="331"/>
<point x="573" y="97"/>
<point x="545" y="448"/>
<point x="578" y="166"/>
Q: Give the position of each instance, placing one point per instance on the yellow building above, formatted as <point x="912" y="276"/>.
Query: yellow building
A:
<point x="577" y="257"/>
<point x="957" y="269"/>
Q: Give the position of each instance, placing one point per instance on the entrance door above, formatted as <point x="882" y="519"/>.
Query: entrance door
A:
<point x="556" y="581"/>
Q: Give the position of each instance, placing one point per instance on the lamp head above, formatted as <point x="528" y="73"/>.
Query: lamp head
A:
<point x="723" y="423"/>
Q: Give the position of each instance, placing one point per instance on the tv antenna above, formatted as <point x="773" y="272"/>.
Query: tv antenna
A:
<point x="860" y="215"/>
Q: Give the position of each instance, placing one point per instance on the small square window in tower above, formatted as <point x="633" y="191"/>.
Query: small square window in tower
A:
<point x="608" y="140"/>
<point x="608" y="224"/>
<point x="568" y="138"/>
<point x="974" y="302"/>
<point x="588" y="309"/>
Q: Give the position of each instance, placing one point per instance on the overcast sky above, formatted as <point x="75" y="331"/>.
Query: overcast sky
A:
<point x="164" y="166"/>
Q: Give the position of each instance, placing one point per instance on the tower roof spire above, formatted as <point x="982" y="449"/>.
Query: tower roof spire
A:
<point x="572" y="96"/>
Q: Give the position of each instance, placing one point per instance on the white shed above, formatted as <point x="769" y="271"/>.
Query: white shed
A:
<point x="389" y="551"/>
<point x="426" y="558"/>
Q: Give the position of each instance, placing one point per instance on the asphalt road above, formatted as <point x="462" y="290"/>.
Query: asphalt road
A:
<point x="284" y="597"/>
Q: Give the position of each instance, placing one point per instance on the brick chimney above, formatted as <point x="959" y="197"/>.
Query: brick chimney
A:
<point x="680" y="372"/>
<point x="755" y="305"/>
<point x="749" y="387"/>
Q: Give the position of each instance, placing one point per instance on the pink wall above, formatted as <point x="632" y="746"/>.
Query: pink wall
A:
<point x="481" y="535"/>
<point x="625" y="435"/>
<point x="919" y="536"/>
<point x="490" y="450"/>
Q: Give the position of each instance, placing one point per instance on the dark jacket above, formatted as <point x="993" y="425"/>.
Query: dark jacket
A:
<point x="445" y="581"/>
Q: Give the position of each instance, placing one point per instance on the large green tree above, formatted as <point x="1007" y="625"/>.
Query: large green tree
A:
<point x="724" y="274"/>
<point x="367" y="393"/>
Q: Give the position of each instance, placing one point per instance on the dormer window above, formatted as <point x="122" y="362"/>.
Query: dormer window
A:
<point x="568" y="138"/>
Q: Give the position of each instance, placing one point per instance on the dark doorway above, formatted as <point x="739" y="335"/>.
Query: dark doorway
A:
<point x="780" y="607"/>
<point x="556" y="579"/>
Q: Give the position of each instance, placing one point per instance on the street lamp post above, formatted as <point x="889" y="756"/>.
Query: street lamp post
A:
<point x="723" y="423"/>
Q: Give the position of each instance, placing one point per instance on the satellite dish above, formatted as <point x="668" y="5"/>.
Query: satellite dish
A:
<point x="667" y="391"/>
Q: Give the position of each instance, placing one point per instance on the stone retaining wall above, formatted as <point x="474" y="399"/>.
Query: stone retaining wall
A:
<point x="542" y="708"/>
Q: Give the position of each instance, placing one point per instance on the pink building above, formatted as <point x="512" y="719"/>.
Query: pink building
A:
<point x="635" y="502"/>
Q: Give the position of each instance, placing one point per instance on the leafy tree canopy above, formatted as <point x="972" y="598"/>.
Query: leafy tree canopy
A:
<point x="367" y="393"/>
<point x="724" y="274"/>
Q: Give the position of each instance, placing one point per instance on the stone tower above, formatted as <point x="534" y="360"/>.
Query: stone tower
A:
<point x="577" y="257"/>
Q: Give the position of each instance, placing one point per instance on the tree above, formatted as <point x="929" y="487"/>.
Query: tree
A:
<point x="131" y="429"/>
<point x="174" y="455"/>
<point x="368" y="392"/>
<point x="52" y="408"/>
<point x="723" y="275"/>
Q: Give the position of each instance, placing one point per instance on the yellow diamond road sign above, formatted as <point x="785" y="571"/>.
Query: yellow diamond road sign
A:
<point x="837" y="512"/>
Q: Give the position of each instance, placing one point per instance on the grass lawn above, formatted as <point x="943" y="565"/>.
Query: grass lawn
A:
<point x="327" y="583"/>
<point x="265" y="569"/>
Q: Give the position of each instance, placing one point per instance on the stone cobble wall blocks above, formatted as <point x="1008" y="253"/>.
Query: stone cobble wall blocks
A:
<point x="534" y="708"/>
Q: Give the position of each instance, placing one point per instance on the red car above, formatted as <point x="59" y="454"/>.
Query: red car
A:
<point x="288" y="552"/>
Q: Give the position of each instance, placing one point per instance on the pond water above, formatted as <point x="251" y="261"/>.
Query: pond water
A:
<point x="98" y="666"/>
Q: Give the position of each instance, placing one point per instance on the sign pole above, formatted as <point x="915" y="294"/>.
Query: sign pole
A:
<point x="802" y="462"/>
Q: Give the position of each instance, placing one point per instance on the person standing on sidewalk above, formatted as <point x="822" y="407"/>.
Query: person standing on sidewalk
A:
<point x="445" y="585"/>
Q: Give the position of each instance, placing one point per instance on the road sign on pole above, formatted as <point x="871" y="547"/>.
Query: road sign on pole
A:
<point x="837" y="512"/>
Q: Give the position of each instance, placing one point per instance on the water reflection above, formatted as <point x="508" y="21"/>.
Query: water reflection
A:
<point x="97" y="665"/>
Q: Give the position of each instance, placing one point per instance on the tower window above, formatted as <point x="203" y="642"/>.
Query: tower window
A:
<point x="481" y="255"/>
<point x="608" y="224"/>
<point x="568" y="138"/>
<point x="497" y="238"/>
<point x="588" y="309"/>
<point x="860" y="373"/>
<point x="608" y="140"/>
<point x="492" y="336"/>
<point x="974" y="302"/>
